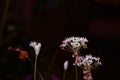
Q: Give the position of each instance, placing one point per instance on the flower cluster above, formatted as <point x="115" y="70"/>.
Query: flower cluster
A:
<point x="89" y="62"/>
<point x="74" y="44"/>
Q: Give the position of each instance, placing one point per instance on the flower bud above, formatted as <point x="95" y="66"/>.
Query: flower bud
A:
<point x="65" y="65"/>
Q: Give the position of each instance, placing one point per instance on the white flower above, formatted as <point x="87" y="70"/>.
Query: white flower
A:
<point x="75" y="45"/>
<point x="65" y="65"/>
<point x="83" y="41"/>
<point x="66" y="40"/>
<point x="88" y="57"/>
<point x="96" y="58"/>
<point x="36" y="46"/>
<point x="63" y="45"/>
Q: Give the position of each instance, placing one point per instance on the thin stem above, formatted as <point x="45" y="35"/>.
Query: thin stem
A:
<point x="35" y="68"/>
<point x="30" y="60"/>
<point x="64" y="74"/>
<point x="76" y="73"/>
<point x="51" y="64"/>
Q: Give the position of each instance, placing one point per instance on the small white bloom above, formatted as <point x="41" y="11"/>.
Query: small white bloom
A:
<point x="66" y="40"/>
<point x="36" y="46"/>
<point x="88" y="57"/>
<point x="65" y="65"/>
<point x="96" y="58"/>
<point x="75" y="45"/>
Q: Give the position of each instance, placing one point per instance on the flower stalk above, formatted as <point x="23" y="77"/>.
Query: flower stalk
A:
<point x="39" y="73"/>
<point x="35" y="68"/>
<point x="37" y="47"/>
<point x="64" y="74"/>
<point x="76" y="73"/>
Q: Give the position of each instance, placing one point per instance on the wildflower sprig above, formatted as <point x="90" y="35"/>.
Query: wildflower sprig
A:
<point x="89" y="62"/>
<point x="37" y="47"/>
<point x="74" y="44"/>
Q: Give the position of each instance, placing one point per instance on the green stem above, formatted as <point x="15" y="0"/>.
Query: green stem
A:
<point x="76" y="73"/>
<point x="64" y="74"/>
<point x="51" y="65"/>
<point x="35" y="68"/>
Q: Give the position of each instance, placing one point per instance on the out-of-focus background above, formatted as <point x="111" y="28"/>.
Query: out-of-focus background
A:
<point x="49" y="22"/>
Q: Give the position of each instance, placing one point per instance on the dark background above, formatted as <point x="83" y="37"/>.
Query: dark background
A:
<point x="50" y="21"/>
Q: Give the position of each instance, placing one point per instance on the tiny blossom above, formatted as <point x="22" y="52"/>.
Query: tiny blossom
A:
<point x="65" y="65"/>
<point x="74" y="44"/>
<point x="89" y="56"/>
<point x="36" y="46"/>
<point x="96" y="58"/>
<point x="82" y="39"/>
